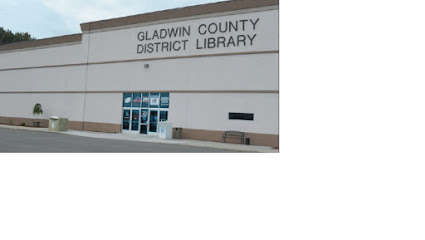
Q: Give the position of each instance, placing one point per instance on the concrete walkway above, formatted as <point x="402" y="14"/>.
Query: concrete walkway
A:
<point x="154" y="139"/>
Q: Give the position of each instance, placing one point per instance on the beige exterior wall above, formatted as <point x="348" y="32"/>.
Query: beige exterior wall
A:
<point x="73" y="80"/>
<point x="103" y="107"/>
<point x="68" y="105"/>
<point x="210" y="111"/>
<point x="239" y="72"/>
<point x="67" y="53"/>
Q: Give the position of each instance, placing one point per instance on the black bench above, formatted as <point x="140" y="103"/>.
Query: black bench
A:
<point x="234" y="135"/>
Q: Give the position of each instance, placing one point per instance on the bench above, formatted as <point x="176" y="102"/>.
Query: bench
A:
<point x="234" y="135"/>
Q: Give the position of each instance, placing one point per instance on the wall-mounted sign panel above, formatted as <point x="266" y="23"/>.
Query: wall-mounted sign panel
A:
<point x="248" y="32"/>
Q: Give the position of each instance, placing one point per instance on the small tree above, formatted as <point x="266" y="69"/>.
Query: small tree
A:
<point x="37" y="111"/>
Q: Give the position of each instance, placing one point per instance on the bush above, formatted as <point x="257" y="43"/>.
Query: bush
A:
<point x="23" y="124"/>
<point x="37" y="109"/>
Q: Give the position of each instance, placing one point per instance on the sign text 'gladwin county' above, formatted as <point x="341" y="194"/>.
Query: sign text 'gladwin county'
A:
<point x="226" y="34"/>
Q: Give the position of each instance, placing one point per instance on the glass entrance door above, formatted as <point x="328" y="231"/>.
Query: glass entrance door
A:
<point x="143" y="111"/>
<point x="126" y="119"/>
<point x="130" y="120"/>
<point x="144" y="121"/>
<point x="153" y="121"/>
<point x="163" y="116"/>
<point x="135" y="116"/>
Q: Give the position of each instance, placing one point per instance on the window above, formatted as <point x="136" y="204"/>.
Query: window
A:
<point x="165" y="100"/>
<point x="127" y="100"/>
<point x="137" y="99"/>
<point x="145" y="100"/>
<point x="163" y="116"/>
<point x="143" y="111"/>
<point x="154" y="102"/>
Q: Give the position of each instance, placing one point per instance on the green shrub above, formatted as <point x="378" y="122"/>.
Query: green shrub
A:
<point x="37" y="109"/>
<point x="23" y="124"/>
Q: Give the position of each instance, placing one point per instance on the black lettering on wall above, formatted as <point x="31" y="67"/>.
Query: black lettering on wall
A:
<point x="233" y="26"/>
<point x="186" y="31"/>
<point x="243" y="24"/>
<point x="211" y="42"/>
<point x="201" y="31"/>
<point x="184" y="44"/>
<point x="150" y="48"/>
<point x="167" y="46"/>
<point x="212" y="28"/>
<point x="254" y="23"/>
<point x="251" y="39"/>
<point x="221" y="40"/>
<point x="231" y="42"/>
<point x="197" y="45"/>
<point x="140" y="48"/>
<point x="241" y="39"/>
<point x="174" y="46"/>
<point x="157" y="46"/>
<point x="232" y="33"/>
<point x="147" y="37"/>
<point x="155" y="35"/>
<point x="163" y="33"/>
<point x="141" y="36"/>
<point x="172" y="32"/>
<point x="164" y="46"/>
<point x="223" y="27"/>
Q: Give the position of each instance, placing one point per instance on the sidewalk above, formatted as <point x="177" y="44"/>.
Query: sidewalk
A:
<point x="154" y="139"/>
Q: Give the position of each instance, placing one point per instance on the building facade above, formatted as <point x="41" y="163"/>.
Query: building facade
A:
<point x="206" y="69"/>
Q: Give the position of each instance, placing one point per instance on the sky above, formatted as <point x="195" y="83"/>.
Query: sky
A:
<point x="50" y="18"/>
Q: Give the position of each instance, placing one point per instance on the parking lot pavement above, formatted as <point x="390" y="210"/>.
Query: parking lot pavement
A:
<point x="21" y="141"/>
<point x="154" y="140"/>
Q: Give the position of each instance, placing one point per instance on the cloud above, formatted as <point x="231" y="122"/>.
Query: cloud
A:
<point x="168" y="4"/>
<point x="49" y="18"/>
<point x="32" y="17"/>
<point x="80" y="11"/>
<point x="6" y="3"/>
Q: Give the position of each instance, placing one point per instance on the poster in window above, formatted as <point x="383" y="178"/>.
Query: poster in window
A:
<point x="137" y="99"/>
<point x="144" y="116"/>
<point x="145" y="100"/>
<point x="127" y="100"/>
<point x="165" y="100"/>
<point x="154" y="100"/>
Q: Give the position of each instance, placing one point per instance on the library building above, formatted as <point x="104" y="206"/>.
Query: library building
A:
<point x="207" y="70"/>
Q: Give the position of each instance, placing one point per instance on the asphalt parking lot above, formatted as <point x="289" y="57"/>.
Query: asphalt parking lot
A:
<point x="20" y="141"/>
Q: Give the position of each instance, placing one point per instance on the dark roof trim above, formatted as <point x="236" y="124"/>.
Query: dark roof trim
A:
<point x="179" y="13"/>
<point x="42" y="42"/>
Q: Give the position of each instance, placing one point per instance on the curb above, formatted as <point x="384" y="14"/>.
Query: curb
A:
<point x="34" y="129"/>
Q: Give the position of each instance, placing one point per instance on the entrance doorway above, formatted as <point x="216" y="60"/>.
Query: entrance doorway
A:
<point x="130" y="120"/>
<point x="143" y="111"/>
<point x="153" y="120"/>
